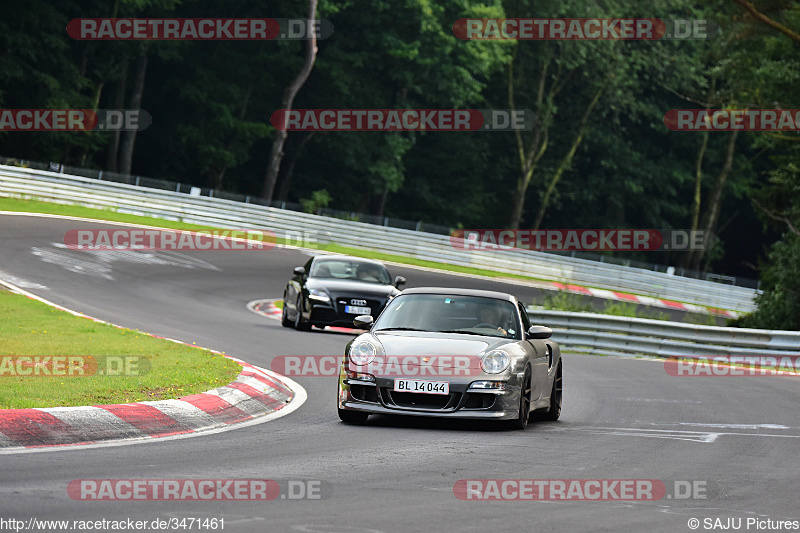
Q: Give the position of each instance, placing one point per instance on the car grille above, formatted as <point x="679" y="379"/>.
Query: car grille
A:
<point x="321" y="314"/>
<point x="420" y="401"/>
<point x="375" y="305"/>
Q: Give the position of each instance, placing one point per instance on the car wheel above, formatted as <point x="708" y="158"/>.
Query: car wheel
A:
<point x="554" y="412"/>
<point x="352" y="417"/>
<point x="285" y="322"/>
<point x="299" y="324"/>
<point x="521" y="422"/>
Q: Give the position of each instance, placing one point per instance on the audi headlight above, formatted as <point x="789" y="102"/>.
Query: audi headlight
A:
<point x="362" y="353"/>
<point x="318" y="294"/>
<point x="495" y="362"/>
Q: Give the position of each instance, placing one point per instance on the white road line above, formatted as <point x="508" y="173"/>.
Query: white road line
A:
<point x="691" y="436"/>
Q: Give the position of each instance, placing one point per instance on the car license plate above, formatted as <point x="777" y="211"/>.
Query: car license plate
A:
<point x="353" y="310"/>
<point x="426" y="387"/>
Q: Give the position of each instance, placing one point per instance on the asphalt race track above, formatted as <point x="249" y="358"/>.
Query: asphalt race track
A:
<point x="623" y="418"/>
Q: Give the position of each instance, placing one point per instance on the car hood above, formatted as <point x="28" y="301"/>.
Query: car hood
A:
<point x="425" y="343"/>
<point x="350" y="286"/>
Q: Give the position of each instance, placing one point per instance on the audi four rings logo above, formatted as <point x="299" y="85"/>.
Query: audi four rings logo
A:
<point x="358" y="302"/>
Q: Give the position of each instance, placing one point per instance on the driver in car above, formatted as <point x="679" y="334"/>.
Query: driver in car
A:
<point x="367" y="272"/>
<point x="490" y="317"/>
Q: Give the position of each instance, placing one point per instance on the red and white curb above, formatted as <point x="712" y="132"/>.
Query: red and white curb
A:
<point x="268" y="309"/>
<point x="256" y="396"/>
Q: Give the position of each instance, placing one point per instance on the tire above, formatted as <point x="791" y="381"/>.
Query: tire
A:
<point x="285" y="322"/>
<point x="299" y="325"/>
<point x="352" y="417"/>
<point x="521" y="422"/>
<point x="554" y="411"/>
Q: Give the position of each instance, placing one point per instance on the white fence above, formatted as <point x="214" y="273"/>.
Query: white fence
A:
<point x="49" y="186"/>
<point x="615" y="335"/>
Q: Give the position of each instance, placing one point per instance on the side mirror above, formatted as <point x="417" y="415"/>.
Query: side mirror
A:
<point x="299" y="271"/>
<point x="539" y="332"/>
<point x="363" y="322"/>
<point x="399" y="280"/>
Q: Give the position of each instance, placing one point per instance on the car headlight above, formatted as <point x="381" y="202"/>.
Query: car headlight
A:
<point x="488" y="385"/>
<point x="318" y="294"/>
<point x="495" y="362"/>
<point x="362" y="353"/>
<point x="360" y="376"/>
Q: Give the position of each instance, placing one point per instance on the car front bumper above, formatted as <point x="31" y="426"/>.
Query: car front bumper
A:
<point x="327" y="314"/>
<point x="461" y="403"/>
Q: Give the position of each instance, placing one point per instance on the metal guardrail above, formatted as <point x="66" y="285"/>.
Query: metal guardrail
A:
<point x="378" y="220"/>
<point x="615" y="335"/>
<point x="124" y="198"/>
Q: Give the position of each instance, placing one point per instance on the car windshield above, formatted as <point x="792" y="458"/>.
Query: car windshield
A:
<point x="350" y="270"/>
<point x="443" y="313"/>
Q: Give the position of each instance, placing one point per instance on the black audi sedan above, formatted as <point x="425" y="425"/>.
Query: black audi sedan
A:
<point x="331" y="290"/>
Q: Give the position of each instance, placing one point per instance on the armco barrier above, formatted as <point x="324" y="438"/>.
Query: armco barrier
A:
<point x="616" y="335"/>
<point x="54" y="187"/>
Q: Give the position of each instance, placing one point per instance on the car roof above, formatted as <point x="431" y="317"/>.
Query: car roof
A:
<point x="347" y="258"/>
<point x="462" y="292"/>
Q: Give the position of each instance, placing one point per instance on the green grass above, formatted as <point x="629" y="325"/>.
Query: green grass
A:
<point x="704" y="320"/>
<point x="576" y="303"/>
<point x="35" y="206"/>
<point x="612" y="307"/>
<point x="565" y="301"/>
<point x="29" y="327"/>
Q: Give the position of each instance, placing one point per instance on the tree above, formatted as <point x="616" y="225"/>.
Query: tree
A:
<point x="765" y="70"/>
<point x="289" y="95"/>
<point x="567" y="83"/>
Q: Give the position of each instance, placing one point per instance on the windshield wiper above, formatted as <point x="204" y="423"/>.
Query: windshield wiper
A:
<point x="465" y="332"/>
<point x="398" y="329"/>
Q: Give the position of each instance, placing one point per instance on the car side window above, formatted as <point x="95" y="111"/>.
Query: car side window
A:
<point x="526" y="322"/>
<point x="308" y="266"/>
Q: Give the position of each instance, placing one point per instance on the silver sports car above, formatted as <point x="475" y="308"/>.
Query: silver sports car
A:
<point x="454" y="353"/>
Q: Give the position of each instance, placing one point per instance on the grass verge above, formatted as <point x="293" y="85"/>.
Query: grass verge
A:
<point x="135" y="365"/>
<point x="576" y="303"/>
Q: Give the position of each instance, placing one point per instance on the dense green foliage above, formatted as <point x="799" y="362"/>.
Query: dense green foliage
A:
<point x="600" y="155"/>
